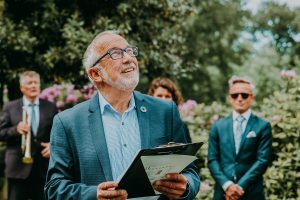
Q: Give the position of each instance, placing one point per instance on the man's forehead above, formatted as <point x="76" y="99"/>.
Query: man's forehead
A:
<point x="241" y="87"/>
<point x="110" y="41"/>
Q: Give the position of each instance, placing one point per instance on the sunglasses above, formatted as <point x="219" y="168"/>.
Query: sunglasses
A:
<point x="244" y="95"/>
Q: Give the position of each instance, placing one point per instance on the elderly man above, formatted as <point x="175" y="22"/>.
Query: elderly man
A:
<point x="95" y="141"/>
<point x="26" y="180"/>
<point x="240" y="147"/>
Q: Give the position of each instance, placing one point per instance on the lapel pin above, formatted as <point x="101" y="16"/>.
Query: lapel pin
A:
<point x="143" y="109"/>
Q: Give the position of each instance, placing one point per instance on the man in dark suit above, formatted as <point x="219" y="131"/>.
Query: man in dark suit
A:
<point x="26" y="181"/>
<point x="240" y="147"/>
<point x="95" y="141"/>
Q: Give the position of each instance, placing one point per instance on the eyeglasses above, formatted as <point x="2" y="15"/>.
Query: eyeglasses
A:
<point x="244" y="95"/>
<point x="118" y="53"/>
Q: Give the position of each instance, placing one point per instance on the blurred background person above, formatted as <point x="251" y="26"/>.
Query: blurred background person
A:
<point x="240" y="147"/>
<point x="164" y="88"/>
<point x="26" y="181"/>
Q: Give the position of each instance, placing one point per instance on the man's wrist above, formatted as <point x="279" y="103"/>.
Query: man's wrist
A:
<point x="226" y="185"/>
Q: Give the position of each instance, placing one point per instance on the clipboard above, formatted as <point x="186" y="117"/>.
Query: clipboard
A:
<point x="135" y="179"/>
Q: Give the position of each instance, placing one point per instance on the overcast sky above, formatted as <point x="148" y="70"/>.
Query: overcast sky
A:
<point x="253" y="4"/>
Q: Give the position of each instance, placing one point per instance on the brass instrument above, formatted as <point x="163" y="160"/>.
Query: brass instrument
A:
<point x="26" y="140"/>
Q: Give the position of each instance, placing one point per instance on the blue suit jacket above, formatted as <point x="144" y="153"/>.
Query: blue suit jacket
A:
<point x="245" y="168"/>
<point x="79" y="157"/>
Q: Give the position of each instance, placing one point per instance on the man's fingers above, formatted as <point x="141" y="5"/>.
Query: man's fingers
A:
<point x="176" y="177"/>
<point x="107" y="185"/>
<point x="112" y="193"/>
<point x="171" y="189"/>
<point x="107" y="190"/>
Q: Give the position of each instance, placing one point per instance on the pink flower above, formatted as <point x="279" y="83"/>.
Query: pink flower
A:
<point x="187" y="109"/>
<point x="71" y="99"/>
<point x="215" y="117"/>
<point x="70" y="89"/>
<point x="276" y="118"/>
<point x="60" y="104"/>
<point x="189" y="105"/>
<point x="288" y="74"/>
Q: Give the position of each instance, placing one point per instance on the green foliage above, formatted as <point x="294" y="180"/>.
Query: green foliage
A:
<point x="199" y="120"/>
<point x="283" y="25"/>
<point x="282" y="110"/>
<point x="264" y="70"/>
<point x="282" y="178"/>
<point x="213" y="40"/>
<point x="63" y="30"/>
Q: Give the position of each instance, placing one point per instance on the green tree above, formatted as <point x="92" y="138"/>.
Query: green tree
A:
<point x="282" y="110"/>
<point x="213" y="40"/>
<point x="195" y="42"/>
<point x="281" y="23"/>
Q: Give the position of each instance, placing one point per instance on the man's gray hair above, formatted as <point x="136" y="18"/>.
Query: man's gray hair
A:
<point x="27" y="74"/>
<point x="91" y="54"/>
<point x="239" y="79"/>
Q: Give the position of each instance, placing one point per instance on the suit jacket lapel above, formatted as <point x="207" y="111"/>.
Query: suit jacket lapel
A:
<point x="98" y="136"/>
<point x="231" y="136"/>
<point x="247" y="130"/>
<point x="43" y="113"/>
<point x="20" y="109"/>
<point x="142" y="111"/>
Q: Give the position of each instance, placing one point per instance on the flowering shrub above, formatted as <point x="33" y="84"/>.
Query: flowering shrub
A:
<point x="199" y="118"/>
<point x="66" y="96"/>
<point x="282" y="111"/>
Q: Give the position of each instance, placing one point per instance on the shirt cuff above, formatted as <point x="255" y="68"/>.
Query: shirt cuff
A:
<point x="226" y="185"/>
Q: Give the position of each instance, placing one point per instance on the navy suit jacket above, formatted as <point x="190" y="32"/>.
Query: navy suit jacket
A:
<point x="12" y="115"/>
<point x="79" y="158"/>
<point x="248" y="166"/>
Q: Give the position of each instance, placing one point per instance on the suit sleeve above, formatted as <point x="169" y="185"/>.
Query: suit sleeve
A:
<point x="191" y="171"/>
<point x="264" y="154"/>
<point x="214" y="155"/>
<point x="61" y="183"/>
<point x="8" y="131"/>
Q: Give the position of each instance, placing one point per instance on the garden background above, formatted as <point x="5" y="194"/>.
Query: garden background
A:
<point x="198" y="44"/>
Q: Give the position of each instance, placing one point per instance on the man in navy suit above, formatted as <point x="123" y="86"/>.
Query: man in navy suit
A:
<point x="95" y="141"/>
<point x="240" y="147"/>
<point x="26" y="180"/>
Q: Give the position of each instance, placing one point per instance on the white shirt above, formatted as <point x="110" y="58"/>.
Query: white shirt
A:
<point x="26" y="106"/>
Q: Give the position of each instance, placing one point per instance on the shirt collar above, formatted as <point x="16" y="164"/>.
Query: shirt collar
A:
<point x="246" y="115"/>
<point x="26" y="102"/>
<point x="104" y="104"/>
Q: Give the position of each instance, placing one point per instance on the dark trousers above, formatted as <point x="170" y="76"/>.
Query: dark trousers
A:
<point x="24" y="189"/>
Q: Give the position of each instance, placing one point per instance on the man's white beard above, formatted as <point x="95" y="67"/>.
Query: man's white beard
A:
<point x="121" y="83"/>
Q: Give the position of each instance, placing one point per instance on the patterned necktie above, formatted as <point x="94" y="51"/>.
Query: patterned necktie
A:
<point x="238" y="133"/>
<point x="33" y="124"/>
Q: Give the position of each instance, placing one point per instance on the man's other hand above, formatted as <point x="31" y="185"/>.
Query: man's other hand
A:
<point x="106" y="190"/>
<point x="234" y="192"/>
<point x="173" y="186"/>
<point x="22" y="128"/>
<point x="46" y="151"/>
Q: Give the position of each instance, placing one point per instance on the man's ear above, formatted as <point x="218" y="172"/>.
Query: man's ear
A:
<point x="95" y="74"/>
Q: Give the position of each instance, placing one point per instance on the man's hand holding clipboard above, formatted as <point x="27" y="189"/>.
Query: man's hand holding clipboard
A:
<point x="157" y="171"/>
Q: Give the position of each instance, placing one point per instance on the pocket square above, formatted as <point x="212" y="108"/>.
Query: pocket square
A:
<point x="251" y="134"/>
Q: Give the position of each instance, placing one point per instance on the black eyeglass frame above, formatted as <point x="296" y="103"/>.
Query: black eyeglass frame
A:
<point x="135" y="49"/>
<point x="244" y="95"/>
